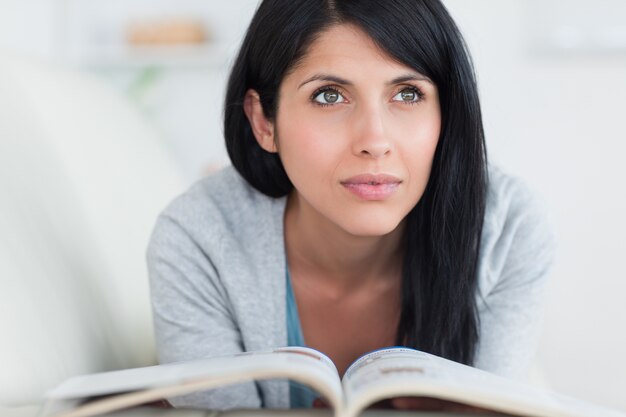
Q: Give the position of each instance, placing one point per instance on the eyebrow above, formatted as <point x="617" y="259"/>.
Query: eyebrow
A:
<point x="325" y="77"/>
<point x="343" y="81"/>
<point x="410" y="77"/>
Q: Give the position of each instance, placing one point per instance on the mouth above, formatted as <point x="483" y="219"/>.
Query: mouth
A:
<point x="372" y="187"/>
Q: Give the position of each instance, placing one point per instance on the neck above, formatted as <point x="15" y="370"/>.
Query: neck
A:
<point x="319" y="248"/>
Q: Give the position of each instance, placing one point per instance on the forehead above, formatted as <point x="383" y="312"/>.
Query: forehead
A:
<point x="347" y="49"/>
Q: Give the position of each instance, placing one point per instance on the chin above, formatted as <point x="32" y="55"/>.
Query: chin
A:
<point x="372" y="227"/>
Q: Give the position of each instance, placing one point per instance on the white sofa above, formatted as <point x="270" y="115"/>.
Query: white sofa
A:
<point x="82" y="179"/>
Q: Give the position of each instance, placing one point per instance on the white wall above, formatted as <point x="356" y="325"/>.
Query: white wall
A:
<point x="557" y="119"/>
<point x="25" y="31"/>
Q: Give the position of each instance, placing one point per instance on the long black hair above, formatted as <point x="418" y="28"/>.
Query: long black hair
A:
<point x="442" y="235"/>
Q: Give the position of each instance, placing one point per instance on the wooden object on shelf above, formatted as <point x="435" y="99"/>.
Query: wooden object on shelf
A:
<point x="166" y="31"/>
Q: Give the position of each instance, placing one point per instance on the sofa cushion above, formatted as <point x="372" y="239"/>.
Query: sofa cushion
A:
<point x="82" y="179"/>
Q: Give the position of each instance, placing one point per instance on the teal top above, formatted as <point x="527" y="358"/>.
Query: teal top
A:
<point x="300" y="396"/>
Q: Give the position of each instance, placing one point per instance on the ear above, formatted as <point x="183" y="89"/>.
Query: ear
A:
<point x="262" y="128"/>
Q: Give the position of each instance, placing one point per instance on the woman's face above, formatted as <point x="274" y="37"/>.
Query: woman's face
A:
<point x="356" y="132"/>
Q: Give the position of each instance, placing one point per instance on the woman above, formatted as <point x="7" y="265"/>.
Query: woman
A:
<point x="360" y="212"/>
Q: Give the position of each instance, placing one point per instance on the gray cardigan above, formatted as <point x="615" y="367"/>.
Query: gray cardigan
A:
<point x="216" y="262"/>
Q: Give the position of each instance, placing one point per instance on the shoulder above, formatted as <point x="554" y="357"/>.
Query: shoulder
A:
<point x="224" y="192"/>
<point x="509" y="197"/>
<point x="518" y="242"/>
<point x="512" y="207"/>
<point x="219" y="207"/>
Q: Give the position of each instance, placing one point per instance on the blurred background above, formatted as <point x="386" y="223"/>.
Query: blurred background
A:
<point x="552" y="77"/>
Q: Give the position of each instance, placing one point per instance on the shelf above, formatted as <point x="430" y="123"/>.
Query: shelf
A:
<point x="214" y="55"/>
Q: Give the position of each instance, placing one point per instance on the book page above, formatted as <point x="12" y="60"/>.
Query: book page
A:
<point x="140" y="385"/>
<point x="404" y="372"/>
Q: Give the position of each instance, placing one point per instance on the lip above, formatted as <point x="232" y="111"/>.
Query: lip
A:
<point x="372" y="187"/>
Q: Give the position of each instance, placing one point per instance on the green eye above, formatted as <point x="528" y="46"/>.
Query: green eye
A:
<point x="331" y="96"/>
<point x="408" y="95"/>
<point x="328" y="96"/>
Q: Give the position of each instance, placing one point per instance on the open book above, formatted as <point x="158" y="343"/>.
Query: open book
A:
<point x="379" y="375"/>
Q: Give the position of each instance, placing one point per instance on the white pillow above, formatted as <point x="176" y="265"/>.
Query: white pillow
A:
<point x="82" y="179"/>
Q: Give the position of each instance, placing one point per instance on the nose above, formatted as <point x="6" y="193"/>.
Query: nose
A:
<point x="370" y="137"/>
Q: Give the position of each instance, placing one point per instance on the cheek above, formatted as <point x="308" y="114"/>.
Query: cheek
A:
<point x="299" y="138"/>
<point x="306" y="142"/>
<point x="419" y="138"/>
<point x="418" y="133"/>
